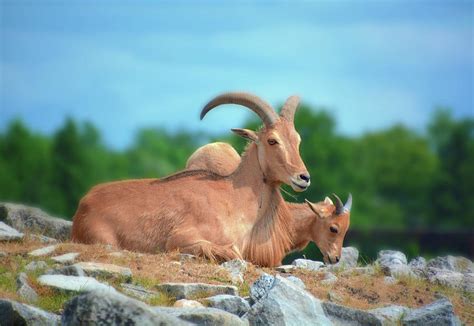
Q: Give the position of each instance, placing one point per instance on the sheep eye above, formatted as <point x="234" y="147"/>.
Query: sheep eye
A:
<point x="333" y="229"/>
<point x="272" y="141"/>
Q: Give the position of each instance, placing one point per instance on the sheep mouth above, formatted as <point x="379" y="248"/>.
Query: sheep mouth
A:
<point x="299" y="187"/>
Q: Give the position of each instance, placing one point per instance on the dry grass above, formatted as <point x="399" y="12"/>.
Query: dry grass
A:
<point x="358" y="291"/>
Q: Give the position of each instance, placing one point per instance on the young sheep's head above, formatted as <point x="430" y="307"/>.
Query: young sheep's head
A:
<point x="277" y="142"/>
<point x="330" y="228"/>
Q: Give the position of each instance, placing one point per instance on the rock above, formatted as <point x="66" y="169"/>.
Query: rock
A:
<point x="73" y="283"/>
<point x="468" y="282"/>
<point x="366" y="270"/>
<point x="452" y="263"/>
<point x="35" y="265"/>
<point x="24" y="290"/>
<point x="418" y="266"/>
<point x="297" y="281"/>
<point x="286" y="304"/>
<point x="394" y="263"/>
<point x="389" y="280"/>
<point x="349" y="258"/>
<point x="194" y="290"/>
<point x="187" y="257"/>
<point x="236" y="269"/>
<point x="261" y="286"/>
<point x="106" y="270"/>
<point x="230" y="303"/>
<point x="437" y="313"/>
<point x="341" y="315"/>
<point x="202" y="316"/>
<point x="334" y="297"/>
<point x="444" y="277"/>
<point x="390" y="315"/>
<point x="42" y="238"/>
<point x="185" y="303"/>
<point x="14" y="313"/>
<point x="66" y="270"/>
<point x="24" y="218"/>
<point x="329" y="278"/>
<point x="308" y="264"/>
<point x="3" y="254"/>
<point x="8" y="233"/>
<point x="43" y="251"/>
<point x="137" y="291"/>
<point x="66" y="258"/>
<point x="285" y="268"/>
<point x="111" y="308"/>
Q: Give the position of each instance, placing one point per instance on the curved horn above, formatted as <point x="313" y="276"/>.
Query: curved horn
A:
<point x="254" y="103"/>
<point x="348" y="204"/>
<point x="339" y="205"/>
<point x="288" y="110"/>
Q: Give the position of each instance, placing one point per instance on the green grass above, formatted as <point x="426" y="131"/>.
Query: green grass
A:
<point x="54" y="302"/>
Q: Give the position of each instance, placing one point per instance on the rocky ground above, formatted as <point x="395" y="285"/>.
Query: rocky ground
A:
<point x="46" y="280"/>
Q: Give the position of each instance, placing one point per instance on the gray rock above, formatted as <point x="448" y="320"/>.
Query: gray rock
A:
<point x="437" y="313"/>
<point x="8" y="233"/>
<point x="73" y="283"/>
<point x="24" y="290"/>
<point x="308" y="264"/>
<point x="340" y="315"/>
<point x="202" y="316"/>
<point x="468" y="282"/>
<point x="452" y="263"/>
<point x="297" y="281"/>
<point x="418" y="266"/>
<point x="187" y="257"/>
<point x="66" y="270"/>
<point x="286" y="304"/>
<point x="329" y="278"/>
<point x="66" y="258"/>
<point x="390" y="315"/>
<point x="236" y="269"/>
<point x="137" y="291"/>
<point x="35" y="265"/>
<point x="42" y="238"/>
<point x="444" y="277"/>
<point x="394" y="263"/>
<point x="112" y="308"/>
<point x="261" y="286"/>
<point x="285" y="268"/>
<point x="194" y="290"/>
<point x="106" y="270"/>
<point x="14" y="313"/>
<point x="349" y="258"/>
<point x="230" y="303"/>
<point x="43" y="251"/>
<point x="24" y="218"/>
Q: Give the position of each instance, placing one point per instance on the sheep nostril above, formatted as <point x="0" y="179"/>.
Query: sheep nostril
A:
<point x="337" y="259"/>
<point x="305" y="177"/>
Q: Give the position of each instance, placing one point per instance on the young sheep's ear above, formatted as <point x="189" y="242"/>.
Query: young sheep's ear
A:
<point x="245" y="133"/>
<point x="321" y="212"/>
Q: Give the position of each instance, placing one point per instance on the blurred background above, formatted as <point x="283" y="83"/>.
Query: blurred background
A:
<point x="100" y="91"/>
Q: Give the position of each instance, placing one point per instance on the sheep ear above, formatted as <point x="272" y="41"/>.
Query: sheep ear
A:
<point x="319" y="211"/>
<point x="328" y="201"/>
<point x="245" y="133"/>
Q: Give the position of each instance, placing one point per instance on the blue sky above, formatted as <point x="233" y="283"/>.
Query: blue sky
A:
<point x="149" y="63"/>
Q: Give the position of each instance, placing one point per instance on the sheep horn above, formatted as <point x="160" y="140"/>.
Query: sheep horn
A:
<point x="348" y="204"/>
<point x="254" y="103"/>
<point x="288" y="110"/>
<point x="339" y="205"/>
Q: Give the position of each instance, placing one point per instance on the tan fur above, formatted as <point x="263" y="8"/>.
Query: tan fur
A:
<point x="200" y="212"/>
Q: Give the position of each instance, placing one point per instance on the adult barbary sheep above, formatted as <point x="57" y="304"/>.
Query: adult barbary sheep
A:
<point x="200" y="212"/>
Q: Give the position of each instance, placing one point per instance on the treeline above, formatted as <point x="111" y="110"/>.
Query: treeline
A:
<point x="399" y="178"/>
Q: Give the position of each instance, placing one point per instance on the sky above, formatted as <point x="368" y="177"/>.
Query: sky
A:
<point x="125" y="65"/>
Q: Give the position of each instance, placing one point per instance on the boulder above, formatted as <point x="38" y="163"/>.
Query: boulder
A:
<point x="438" y="313"/>
<point x="444" y="277"/>
<point x="106" y="270"/>
<point x="138" y="291"/>
<point x="24" y="290"/>
<point x="341" y="315"/>
<point x="418" y="266"/>
<point x="308" y="264"/>
<point x="45" y="251"/>
<point x="35" y="265"/>
<point x="194" y="290"/>
<point x="394" y="263"/>
<point x="230" y="303"/>
<point x="390" y="315"/>
<point x="284" y="303"/>
<point x="66" y="258"/>
<point x="260" y="287"/>
<point x="24" y="218"/>
<point x="349" y="258"/>
<point x="14" y="313"/>
<point x="236" y="269"/>
<point x="73" y="283"/>
<point x="452" y="263"/>
<point x="297" y="281"/>
<point x="70" y="270"/>
<point x="185" y="303"/>
<point x="8" y="233"/>
<point x="468" y="282"/>
<point x="112" y="308"/>
<point x="202" y="316"/>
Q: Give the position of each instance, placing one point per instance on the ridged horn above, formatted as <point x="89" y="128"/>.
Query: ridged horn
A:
<point x="289" y="108"/>
<point x="339" y="205"/>
<point x="254" y="103"/>
<point x="348" y="204"/>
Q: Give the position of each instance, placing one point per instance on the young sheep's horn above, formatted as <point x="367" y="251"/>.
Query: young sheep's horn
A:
<point x="348" y="204"/>
<point x="289" y="108"/>
<point x="254" y="103"/>
<point x="339" y="205"/>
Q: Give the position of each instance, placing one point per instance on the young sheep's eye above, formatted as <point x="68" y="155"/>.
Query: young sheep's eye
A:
<point x="333" y="229"/>
<point x="272" y="141"/>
